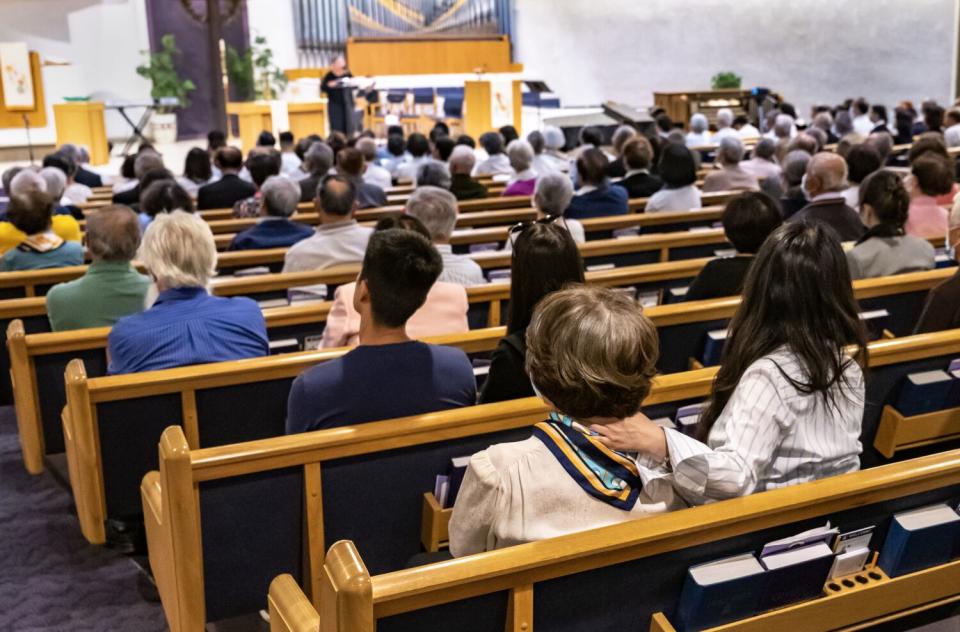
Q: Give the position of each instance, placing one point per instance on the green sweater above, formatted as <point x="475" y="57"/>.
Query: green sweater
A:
<point x="108" y="291"/>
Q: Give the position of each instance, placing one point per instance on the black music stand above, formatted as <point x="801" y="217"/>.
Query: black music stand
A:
<point x="136" y="127"/>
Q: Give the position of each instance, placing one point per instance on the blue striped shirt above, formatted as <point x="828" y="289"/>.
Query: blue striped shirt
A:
<point x="187" y="326"/>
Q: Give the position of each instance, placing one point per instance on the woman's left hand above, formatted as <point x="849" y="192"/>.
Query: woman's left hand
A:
<point x="633" y="434"/>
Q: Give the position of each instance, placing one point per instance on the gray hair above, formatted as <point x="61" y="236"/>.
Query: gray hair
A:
<point x="819" y="135"/>
<point x="280" y="196"/>
<point x="436" y="208"/>
<point x="113" y="233"/>
<point x="145" y="162"/>
<point x="795" y="166"/>
<point x="367" y="147"/>
<point x="179" y="250"/>
<point x="8" y="176"/>
<point x="620" y="137"/>
<point x="462" y="157"/>
<point x="765" y="149"/>
<point x="553" y="137"/>
<point x="699" y="123"/>
<point x="724" y="117"/>
<point x="823" y="120"/>
<point x="318" y="159"/>
<point x="26" y="181"/>
<point x="520" y="153"/>
<point x="433" y="173"/>
<point x="553" y="193"/>
<point x="730" y="151"/>
<point x="56" y="182"/>
<point x="783" y="125"/>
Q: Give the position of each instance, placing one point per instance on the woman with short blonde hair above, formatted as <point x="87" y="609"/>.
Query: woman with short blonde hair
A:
<point x="178" y="250"/>
<point x="591" y="355"/>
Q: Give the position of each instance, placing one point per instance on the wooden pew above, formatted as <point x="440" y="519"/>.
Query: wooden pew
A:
<point x="323" y="467"/>
<point x="571" y="582"/>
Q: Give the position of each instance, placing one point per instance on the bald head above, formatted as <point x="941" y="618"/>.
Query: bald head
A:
<point x="826" y="173"/>
<point x="113" y="234"/>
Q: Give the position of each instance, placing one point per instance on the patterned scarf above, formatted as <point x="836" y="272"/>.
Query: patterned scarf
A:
<point x="603" y="473"/>
<point x="41" y="242"/>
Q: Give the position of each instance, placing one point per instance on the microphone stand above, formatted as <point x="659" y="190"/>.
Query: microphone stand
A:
<point x="26" y="126"/>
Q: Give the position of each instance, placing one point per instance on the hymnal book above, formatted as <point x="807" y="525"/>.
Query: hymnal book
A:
<point x="255" y="271"/>
<point x="600" y="266"/>
<point x="312" y="343"/>
<point x="725" y="253"/>
<point x="441" y="487"/>
<point x="719" y="592"/>
<point x="676" y="295"/>
<point x="273" y="302"/>
<point x="688" y="417"/>
<point x="849" y="562"/>
<point x="287" y="345"/>
<point x="795" y="574"/>
<point x="875" y="321"/>
<point x="925" y="392"/>
<point x="490" y="246"/>
<point x="943" y="260"/>
<point x="629" y="292"/>
<point x="825" y="534"/>
<point x="456" y="471"/>
<point x="713" y="348"/>
<point x="619" y="233"/>
<point x="920" y="539"/>
<point x="316" y="292"/>
<point x="499" y="275"/>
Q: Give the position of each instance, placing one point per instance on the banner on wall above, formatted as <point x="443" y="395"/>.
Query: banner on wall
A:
<point x="17" y="80"/>
<point x="501" y="106"/>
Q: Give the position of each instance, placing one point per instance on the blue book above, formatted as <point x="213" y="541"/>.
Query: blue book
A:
<point x="920" y="539"/>
<point x="925" y="392"/>
<point x="875" y="321"/>
<point x="713" y="348"/>
<point x="687" y="419"/>
<point x="795" y="575"/>
<point x="720" y="592"/>
<point x="942" y="260"/>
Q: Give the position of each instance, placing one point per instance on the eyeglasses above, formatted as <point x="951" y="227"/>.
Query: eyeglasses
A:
<point x="517" y="229"/>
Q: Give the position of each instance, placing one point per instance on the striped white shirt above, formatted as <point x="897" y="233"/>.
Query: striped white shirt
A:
<point x="771" y="435"/>
<point x="459" y="269"/>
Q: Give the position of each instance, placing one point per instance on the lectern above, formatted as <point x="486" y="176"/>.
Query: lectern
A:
<point x="491" y="104"/>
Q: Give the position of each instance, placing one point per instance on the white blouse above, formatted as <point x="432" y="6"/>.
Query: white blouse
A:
<point x="771" y="435"/>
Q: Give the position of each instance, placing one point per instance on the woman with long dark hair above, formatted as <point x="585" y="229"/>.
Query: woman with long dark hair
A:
<point x="545" y="259"/>
<point x="787" y="402"/>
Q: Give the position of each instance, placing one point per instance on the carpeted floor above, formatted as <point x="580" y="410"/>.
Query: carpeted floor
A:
<point x="50" y="578"/>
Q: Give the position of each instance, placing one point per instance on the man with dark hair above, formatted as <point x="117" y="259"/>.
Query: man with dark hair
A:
<point x="350" y="164"/>
<point x="388" y="375"/>
<point x="637" y="158"/>
<point x="290" y="161"/>
<point x="266" y="139"/>
<point x="497" y="161"/>
<point x="419" y="149"/>
<point x="262" y="163"/>
<point x="111" y="287"/>
<point x="339" y="239"/>
<point x="229" y="189"/>
<point x="74" y="192"/>
<point x="860" y="111"/>
<point x="443" y="147"/>
<point x="862" y="160"/>
<point x="145" y="162"/>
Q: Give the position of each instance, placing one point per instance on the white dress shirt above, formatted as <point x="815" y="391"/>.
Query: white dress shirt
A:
<point x="545" y="163"/>
<point x="377" y="176"/>
<point x="863" y="125"/>
<point x="289" y="163"/>
<point x="683" y="199"/>
<point x="77" y="193"/>
<point x="748" y="131"/>
<point x="702" y="139"/>
<point x="496" y="164"/>
<point x="952" y="136"/>
<point x="761" y="169"/>
<point x="852" y="196"/>
<point x="771" y="435"/>
<point x="331" y="245"/>
<point x="726" y="132"/>
<point x="408" y="170"/>
<point x="459" y="269"/>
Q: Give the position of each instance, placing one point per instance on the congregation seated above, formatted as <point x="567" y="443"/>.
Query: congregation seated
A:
<point x="262" y="163"/>
<point x="443" y="147"/>
<point x="699" y="134"/>
<point x="279" y="197"/>
<point x="886" y="249"/>
<point x="350" y="165"/>
<point x="437" y="210"/>
<point x="787" y="402"/>
<point x="562" y="480"/>
<point x="725" y="127"/>
<point x="197" y="171"/>
<point x="621" y="136"/>
<point x="110" y="288"/>
<point x="551" y="198"/>
<point x="744" y="128"/>
<point x="146" y="160"/>
<point x="230" y="188"/>
<point x="318" y="161"/>
<point x="56" y="185"/>
<point x="524" y="178"/>
<point x="931" y="175"/>
<point x="162" y="196"/>
<point x="462" y="184"/>
<point x="418" y="150"/>
<point x="951" y="135"/>
<point x="25" y="182"/>
<point x="289" y="161"/>
<point x="596" y="197"/>
<point x="396" y="153"/>
<point x="82" y="175"/>
<point x="544" y="259"/>
<point x="551" y="157"/>
<point x="186" y="325"/>
<point x="399" y="269"/>
<point x="678" y="169"/>
<point x="942" y="308"/>
<point x="32" y="215"/>
<point x="339" y="238"/>
<point x="496" y="162"/>
<point x="794" y="170"/>
<point x="748" y="220"/>
<point x="73" y="192"/>
<point x="762" y="164"/>
<point x="731" y="176"/>
<point x="825" y="180"/>
<point x="373" y="173"/>
<point x="862" y="160"/>
<point x="443" y="312"/>
<point x="434" y="174"/>
<point x="637" y="158"/>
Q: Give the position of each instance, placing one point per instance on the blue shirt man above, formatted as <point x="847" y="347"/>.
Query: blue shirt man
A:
<point x="271" y="232"/>
<point x="187" y="326"/>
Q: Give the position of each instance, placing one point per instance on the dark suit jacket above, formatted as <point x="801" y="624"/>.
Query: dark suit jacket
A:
<point x="640" y="185"/>
<point x="88" y="178"/>
<point x="720" y="278"/>
<point x="792" y="203"/>
<point x="616" y="169"/>
<point x="942" y="309"/>
<point x="128" y="197"/>
<point x="464" y="187"/>
<point x="308" y="188"/>
<point x="224" y="193"/>
<point x="271" y="233"/>
<point x="833" y="212"/>
<point x="507" y="378"/>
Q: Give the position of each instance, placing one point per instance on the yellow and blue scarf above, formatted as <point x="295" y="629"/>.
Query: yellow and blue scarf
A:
<point x="603" y="473"/>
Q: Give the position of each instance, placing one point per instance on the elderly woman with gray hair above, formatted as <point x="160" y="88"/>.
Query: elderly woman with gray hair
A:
<point x="549" y="156"/>
<point x="524" y="179"/>
<point x="274" y="229"/>
<point x="699" y="134"/>
<point x="730" y="176"/>
<point x="186" y="325"/>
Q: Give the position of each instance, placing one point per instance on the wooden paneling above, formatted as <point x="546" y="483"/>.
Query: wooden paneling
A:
<point x="429" y="55"/>
<point x="82" y="124"/>
<point x="308" y="117"/>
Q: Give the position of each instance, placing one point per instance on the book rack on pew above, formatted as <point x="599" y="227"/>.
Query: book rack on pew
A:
<point x="897" y="432"/>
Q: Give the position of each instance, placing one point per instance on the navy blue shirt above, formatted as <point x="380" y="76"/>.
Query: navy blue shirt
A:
<point x="377" y="382"/>
<point x="607" y="200"/>
<point x="273" y="232"/>
<point x="187" y="326"/>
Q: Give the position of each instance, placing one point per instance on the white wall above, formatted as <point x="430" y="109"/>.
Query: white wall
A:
<point x="273" y="19"/>
<point x="811" y="51"/>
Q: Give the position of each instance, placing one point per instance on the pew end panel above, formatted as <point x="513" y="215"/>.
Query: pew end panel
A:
<point x="290" y="610"/>
<point x="346" y="585"/>
<point x="32" y="313"/>
<point x="25" y="398"/>
<point x="48" y="372"/>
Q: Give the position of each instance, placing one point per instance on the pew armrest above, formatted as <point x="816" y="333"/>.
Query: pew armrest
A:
<point x="290" y="610"/>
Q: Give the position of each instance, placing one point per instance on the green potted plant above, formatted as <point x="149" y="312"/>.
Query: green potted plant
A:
<point x="252" y="73"/>
<point x="726" y="81"/>
<point x="161" y="70"/>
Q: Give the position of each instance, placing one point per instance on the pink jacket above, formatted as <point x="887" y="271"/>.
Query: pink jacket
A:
<point x="444" y="312"/>
<point x="927" y="218"/>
